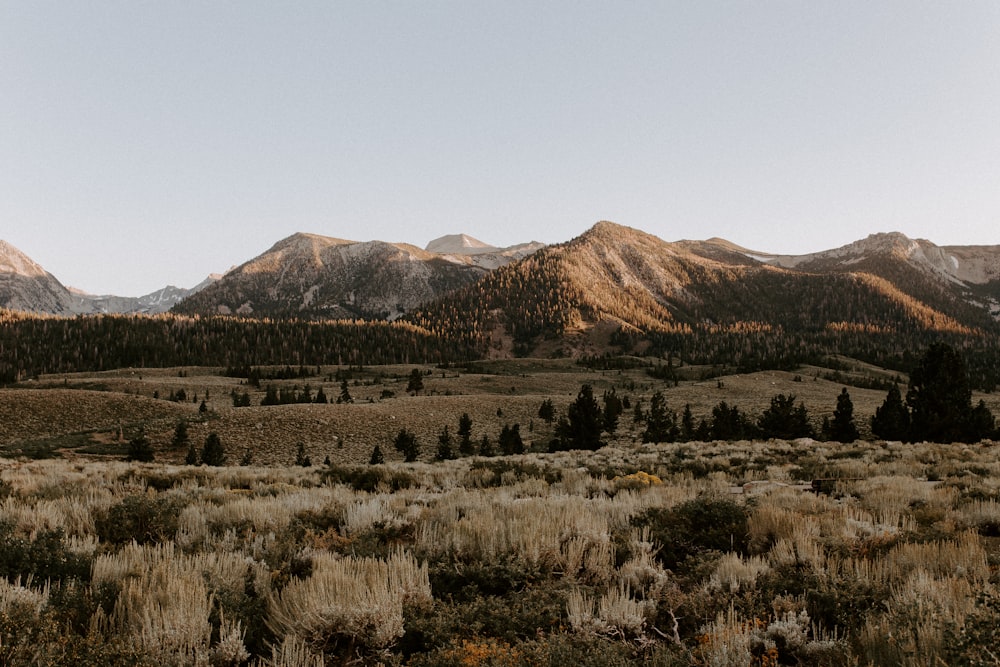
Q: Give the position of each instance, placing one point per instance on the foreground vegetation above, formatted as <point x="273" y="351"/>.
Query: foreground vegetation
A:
<point x="660" y="554"/>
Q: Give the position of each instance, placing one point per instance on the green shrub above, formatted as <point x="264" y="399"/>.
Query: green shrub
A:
<point x="368" y="478"/>
<point x="696" y="526"/>
<point x="43" y="558"/>
<point x="147" y="519"/>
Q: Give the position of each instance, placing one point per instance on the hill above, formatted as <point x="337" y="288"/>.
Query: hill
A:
<point x="619" y="290"/>
<point x="26" y="286"/>
<point x="313" y="276"/>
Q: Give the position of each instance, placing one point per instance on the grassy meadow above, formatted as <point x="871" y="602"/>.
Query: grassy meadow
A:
<point x="714" y="553"/>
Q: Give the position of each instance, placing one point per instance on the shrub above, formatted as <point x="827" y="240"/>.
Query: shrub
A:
<point x="147" y="519"/>
<point x="696" y="526"/>
<point x="44" y="558"/>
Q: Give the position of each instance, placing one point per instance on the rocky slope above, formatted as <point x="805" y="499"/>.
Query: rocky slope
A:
<point x="26" y="286"/>
<point x="617" y="279"/>
<point x="308" y="275"/>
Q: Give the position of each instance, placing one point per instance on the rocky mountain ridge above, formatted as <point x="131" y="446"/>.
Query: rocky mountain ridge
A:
<point x="622" y="269"/>
<point x="617" y="286"/>
<point x="26" y="286"/>
<point x="314" y="276"/>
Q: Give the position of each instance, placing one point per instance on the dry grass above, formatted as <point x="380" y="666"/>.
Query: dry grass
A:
<point x="347" y="433"/>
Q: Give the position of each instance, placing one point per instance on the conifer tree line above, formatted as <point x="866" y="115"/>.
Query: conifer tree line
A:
<point x="32" y="345"/>
<point x="938" y="404"/>
<point x="938" y="408"/>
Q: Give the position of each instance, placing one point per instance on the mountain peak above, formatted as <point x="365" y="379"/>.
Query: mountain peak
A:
<point x="12" y="260"/>
<point x="458" y="244"/>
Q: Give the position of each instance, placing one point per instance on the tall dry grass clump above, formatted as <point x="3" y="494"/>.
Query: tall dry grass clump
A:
<point x="350" y="603"/>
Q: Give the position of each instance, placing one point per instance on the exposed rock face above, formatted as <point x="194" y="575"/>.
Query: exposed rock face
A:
<point x="617" y="279"/>
<point x="308" y="275"/>
<point x="26" y="286"/>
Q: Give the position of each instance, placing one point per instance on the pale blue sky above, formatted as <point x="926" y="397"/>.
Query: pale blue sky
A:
<point x="146" y="143"/>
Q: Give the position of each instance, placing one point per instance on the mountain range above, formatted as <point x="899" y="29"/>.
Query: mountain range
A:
<point x="26" y="286"/>
<point x="611" y="278"/>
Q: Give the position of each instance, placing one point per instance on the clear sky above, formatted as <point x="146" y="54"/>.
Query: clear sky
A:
<point x="147" y="143"/>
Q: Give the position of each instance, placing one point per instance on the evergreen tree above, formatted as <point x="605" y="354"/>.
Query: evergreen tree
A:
<point x="139" y="449"/>
<point x="661" y="424"/>
<point x="582" y="426"/>
<point x="445" y="451"/>
<point x="321" y="396"/>
<point x="891" y="420"/>
<point x="270" y="396"/>
<point x="785" y="420"/>
<point x="377" y="457"/>
<point x="486" y="447"/>
<point x="180" y="439"/>
<point x="842" y="428"/>
<point x="687" y="424"/>
<point x="465" y="446"/>
<point x="510" y="440"/>
<point x="939" y="397"/>
<point x="982" y="425"/>
<point x="547" y="411"/>
<point x="203" y="408"/>
<point x="612" y="410"/>
<point x="345" y="393"/>
<point x="191" y="458"/>
<point x="416" y="382"/>
<point x="247" y="458"/>
<point x="730" y="423"/>
<point x="406" y="444"/>
<point x="213" y="453"/>
<point x="638" y="415"/>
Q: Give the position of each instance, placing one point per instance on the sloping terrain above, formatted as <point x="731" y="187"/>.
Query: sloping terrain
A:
<point x="307" y="275"/>
<point x="25" y="286"/>
<point x="616" y="288"/>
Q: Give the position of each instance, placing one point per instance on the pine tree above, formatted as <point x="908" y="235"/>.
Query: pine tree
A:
<point x="510" y="440"/>
<point x="892" y="419"/>
<point x="321" y="396"/>
<point x="139" y="449"/>
<point x="582" y="426"/>
<point x="687" y="424"/>
<point x="730" y="423"/>
<point x="416" y="382"/>
<point x="785" y="420"/>
<point x="345" y="393"/>
<point x="376" y="458"/>
<point x="982" y="424"/>
<point x="486" y="447"/>
<point x="465" y="446"/>
<point x="270" y="396"/>
<point x="180" y="439"/>
<point x="406" y="444"/>
<point x="939" y="397"/>
<point x="213" y="453"/>
<point x="547" y="411"/>
<point x="445" y="451"/>
<point x="661" y="425"/>
<point x="842" y="428"/>
<point x="612" y="410"/>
